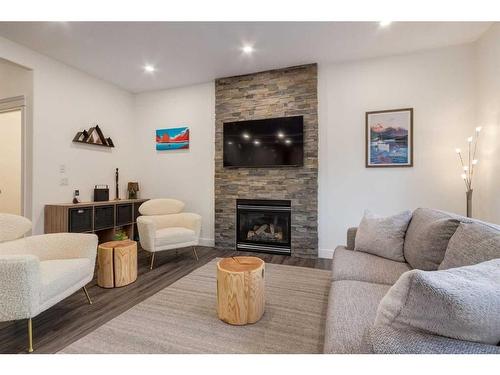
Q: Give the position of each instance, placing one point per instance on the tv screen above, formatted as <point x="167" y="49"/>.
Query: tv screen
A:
<point x="264" y="143"/>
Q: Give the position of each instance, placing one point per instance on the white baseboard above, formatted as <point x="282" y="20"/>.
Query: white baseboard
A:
<point x="207" y="242"/>
<point x="325" y="253"/>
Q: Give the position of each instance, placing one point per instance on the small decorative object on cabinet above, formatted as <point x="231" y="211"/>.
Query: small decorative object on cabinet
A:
<point x="389" y="138"/>
<point x="240" y="290"/>
<point x="468" y="166"/>
<point x="102" y="218"/>
<point x="101" y="193"/>
<point x="132" y="188"/>
<point x="93" y="136"/>
<point x="172" y="139"/>
<point x="117" y="190"/>
<point x="75" y="196"/>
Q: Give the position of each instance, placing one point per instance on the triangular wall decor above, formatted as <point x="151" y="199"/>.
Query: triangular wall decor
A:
<point x="94" y="136"/>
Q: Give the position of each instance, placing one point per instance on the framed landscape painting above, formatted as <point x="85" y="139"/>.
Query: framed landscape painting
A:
<point x="389" y="138"/>
<point x="172" y="139"/>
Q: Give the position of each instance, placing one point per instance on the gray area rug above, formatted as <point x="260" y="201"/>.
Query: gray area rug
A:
<point x="182" y="318"/>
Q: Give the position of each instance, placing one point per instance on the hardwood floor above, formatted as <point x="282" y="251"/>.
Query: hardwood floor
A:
<point x="74" y="318"/>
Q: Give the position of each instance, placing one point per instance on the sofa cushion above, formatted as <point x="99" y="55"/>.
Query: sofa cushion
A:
<point x="174" y="235"/>
<point x="383" y="236"/>
<point x="472" y="243"/>
<point x="356" y="265"/>
<point x="352" y="306"/>
<point x="461" y="303"/>
<point x="389" y="340"/>
<point x="427" y="238"/>
<point x="161" y="207"/>
<point x="59" y="275"/>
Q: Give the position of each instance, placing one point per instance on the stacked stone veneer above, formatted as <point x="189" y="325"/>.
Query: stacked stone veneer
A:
<point x="276" y="93"/>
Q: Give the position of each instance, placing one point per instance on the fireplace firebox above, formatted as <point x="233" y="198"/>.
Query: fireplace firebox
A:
<point x="263" y="225"/>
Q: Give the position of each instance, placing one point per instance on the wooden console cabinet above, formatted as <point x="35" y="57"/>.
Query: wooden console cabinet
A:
<point x="101" y="218"/>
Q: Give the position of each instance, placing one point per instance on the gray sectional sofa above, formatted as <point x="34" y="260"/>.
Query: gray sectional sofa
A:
<point x="361" y="280"/>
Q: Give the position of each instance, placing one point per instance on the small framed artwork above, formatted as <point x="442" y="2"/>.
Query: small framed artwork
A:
<point x="172" y="139"/>
<point x="389" y="138"/>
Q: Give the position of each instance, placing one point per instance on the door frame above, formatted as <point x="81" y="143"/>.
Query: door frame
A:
<point x="18" y="103"/>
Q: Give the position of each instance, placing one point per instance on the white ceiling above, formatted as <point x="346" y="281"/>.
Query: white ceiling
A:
<point x="185" y="53"/>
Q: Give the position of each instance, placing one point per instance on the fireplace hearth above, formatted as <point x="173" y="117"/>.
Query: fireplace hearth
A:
<point x="263" y="225"/>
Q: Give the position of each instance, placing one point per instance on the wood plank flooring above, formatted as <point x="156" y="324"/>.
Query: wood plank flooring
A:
<point x="74" y="318"/>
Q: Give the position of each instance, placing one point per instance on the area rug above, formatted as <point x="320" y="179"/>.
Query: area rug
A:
<point x="182" y="318"/>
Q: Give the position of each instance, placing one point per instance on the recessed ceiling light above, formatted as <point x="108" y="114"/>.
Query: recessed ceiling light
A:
<point x="246" y="135"/>
<point x="256" y="142"/>
<point x="247" y="49"/>
<point x="149" y="68"/>
<point x="287" y="141"/>
<point x="281" y="135"/>
<point x="384" y="23"/>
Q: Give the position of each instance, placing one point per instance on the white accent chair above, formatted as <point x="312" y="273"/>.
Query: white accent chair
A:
<point x="163" y="226"/>
<point x="37" y="272"/>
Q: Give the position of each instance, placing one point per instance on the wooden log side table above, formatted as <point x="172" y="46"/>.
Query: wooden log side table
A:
<point x="240" y="290"/>
<point x="117" y="263"/>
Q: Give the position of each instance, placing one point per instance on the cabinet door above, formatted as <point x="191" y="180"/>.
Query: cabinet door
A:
<point x="80" y="219"/>
<point x="104" y="217"/>
<point x="123" y="214"/>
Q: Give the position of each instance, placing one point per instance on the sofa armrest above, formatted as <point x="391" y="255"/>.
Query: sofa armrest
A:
<point x="63" y="246"/>
<point x="147" y="229"/>
<point x="19" y="286"/>
<point x="388" y="340"/>
<point x="351" y="236"/>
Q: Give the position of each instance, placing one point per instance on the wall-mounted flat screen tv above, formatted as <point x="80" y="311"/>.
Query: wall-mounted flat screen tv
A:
<point x="272" y="142"/>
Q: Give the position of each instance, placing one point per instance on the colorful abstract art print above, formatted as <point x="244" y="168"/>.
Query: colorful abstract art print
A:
<point x="172" y="139"/>
<point x="389" y="138"/>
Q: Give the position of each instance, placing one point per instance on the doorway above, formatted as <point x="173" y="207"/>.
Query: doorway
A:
<point x="12" y="161"/>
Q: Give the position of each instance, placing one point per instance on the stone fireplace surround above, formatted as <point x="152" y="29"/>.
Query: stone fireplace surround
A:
<point x="276" y="93"/>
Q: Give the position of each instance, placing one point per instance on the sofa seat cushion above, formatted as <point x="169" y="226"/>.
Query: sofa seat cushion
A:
<point x="352" y="307"/>
<point x="59" y="275"/>
<point x="472" y="243"/>
<point x="174" y="235"/>
<point x="356" y="265"/>
<point x="427" y="238"/>
<point x="461" y="303"/>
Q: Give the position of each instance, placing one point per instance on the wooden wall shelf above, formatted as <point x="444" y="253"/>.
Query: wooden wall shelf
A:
<point x="102" y="218"/>
<point x="94" y="136"/>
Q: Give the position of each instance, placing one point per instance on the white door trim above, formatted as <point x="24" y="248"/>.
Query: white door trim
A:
<point x="17" y="103"/>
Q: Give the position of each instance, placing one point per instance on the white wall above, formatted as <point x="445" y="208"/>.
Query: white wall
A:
<point x="487" y="187"/>
<point x="440" y="86"/>
<point x="66" y="101"/>
<point x="187" y="175"/>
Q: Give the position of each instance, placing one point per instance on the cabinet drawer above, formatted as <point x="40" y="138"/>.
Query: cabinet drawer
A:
<point x="123" y="214"/>
<point x="104" y="217"/>
<point x="80" y="219"/>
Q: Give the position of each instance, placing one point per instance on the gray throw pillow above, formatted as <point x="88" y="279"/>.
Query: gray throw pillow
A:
<point x="462" y="303"/>
<point x="471" y="244"/>
<point x="427" y="238"/>
<point x="383" y="236"/>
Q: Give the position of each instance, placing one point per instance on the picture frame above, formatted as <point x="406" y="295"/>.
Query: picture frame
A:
<point x="389" y="138"/>
<point x="172" y="139"/>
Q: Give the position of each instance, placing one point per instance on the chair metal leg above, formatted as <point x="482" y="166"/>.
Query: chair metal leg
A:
<point x="195" y="253"/>
<point x="87" y="295"/>
<point x="152" y="261"/>
<point x="30" y="336"/>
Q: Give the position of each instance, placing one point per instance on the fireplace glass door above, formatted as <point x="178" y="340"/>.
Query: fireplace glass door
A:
<point x="264" y="227"/>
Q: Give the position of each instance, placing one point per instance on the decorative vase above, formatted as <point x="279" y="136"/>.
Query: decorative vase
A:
<point x="468" y="195"/>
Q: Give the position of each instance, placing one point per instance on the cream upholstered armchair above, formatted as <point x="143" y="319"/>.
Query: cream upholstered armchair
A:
<point x="163" y="226"/>
<point x="37" y="272"/>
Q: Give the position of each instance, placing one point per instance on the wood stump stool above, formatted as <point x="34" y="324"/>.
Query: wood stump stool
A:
<point x="117" y="263"/>
<point x="240" y="290"/>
